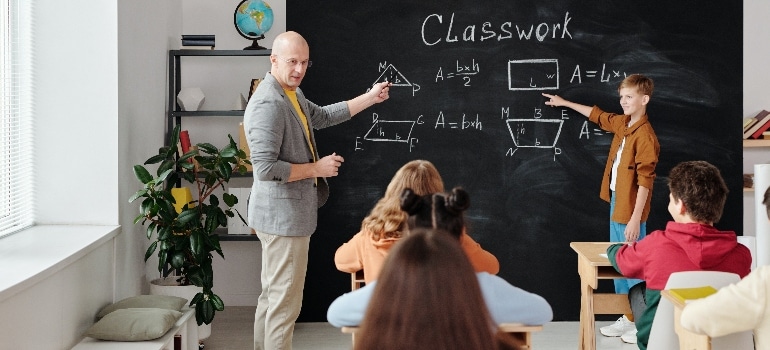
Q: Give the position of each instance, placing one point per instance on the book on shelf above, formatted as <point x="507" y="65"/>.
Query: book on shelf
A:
<point x="748" y="123"/>
<point x="198" y="37"/>
<point x="686" y="295"/>
<point x="758" y="133"/>
<point x="198" y="42"/>
<point x="196" y="47"/>
<point x="761" y="118"/>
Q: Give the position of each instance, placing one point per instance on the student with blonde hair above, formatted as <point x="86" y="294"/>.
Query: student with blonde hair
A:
<point x="386" y="224"/>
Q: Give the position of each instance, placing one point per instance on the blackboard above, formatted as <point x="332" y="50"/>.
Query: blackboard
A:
<point x="468" y="78"/>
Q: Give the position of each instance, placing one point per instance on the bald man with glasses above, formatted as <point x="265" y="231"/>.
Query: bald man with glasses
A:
<point x="289" y="181"/>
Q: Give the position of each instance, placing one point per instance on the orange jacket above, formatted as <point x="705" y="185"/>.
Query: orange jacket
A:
<point x="637" y="161"/>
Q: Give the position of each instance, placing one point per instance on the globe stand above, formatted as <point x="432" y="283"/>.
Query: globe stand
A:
<point x="255" y="45"/>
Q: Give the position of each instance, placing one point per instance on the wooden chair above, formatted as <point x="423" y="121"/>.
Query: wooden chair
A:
<point x="357" y="279"/>
<point x="519" y="331"/>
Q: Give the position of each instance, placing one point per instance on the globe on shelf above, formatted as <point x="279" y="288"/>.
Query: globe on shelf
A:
<point x="253" y="18"/>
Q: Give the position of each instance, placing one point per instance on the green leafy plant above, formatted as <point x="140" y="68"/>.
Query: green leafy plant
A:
<point x="185" y="241"/>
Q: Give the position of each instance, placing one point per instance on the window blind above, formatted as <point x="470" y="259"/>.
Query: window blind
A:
<point x="16" y="138"/>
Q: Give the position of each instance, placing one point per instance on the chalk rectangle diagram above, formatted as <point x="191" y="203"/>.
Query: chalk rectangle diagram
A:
<point x="534" y="74"/>
<point x="390" y="130"/>
<point x="535" y="133"/>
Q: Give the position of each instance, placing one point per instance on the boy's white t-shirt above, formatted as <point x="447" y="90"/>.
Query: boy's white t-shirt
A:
<point x="615" y="165"/>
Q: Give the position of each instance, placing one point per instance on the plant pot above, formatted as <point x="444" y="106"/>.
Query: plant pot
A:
<point x="169" y="286"/>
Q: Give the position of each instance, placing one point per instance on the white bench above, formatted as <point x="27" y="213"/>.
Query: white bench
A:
<point x="184" y="332"/>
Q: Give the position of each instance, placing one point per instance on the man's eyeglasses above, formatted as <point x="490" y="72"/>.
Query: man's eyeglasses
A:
<point x="293" y="62"/>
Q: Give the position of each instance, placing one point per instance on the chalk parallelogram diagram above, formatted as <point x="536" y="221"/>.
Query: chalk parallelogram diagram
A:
<point x="390" y="131"/>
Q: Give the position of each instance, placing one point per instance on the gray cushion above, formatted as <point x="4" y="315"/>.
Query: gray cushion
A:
<point x="145" y="301"/>
<point x="134" y="324"/>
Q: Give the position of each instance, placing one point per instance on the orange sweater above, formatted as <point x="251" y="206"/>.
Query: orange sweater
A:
<point x="362" y="253"/>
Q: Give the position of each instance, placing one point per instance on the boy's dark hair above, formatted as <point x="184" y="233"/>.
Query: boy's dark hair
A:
<point x="642" y="83"/>
<point x="438" y="210"/>
<point x="699" y="185"/>
<point x="766" y="201"/>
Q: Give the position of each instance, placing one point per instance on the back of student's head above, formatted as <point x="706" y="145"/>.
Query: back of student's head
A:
<point x="438" y="210"/>
<point x="642" y="84"/>
<point x="386" y="218"/>
<point x="427" y="296"/>
<point x="699" y="185"/>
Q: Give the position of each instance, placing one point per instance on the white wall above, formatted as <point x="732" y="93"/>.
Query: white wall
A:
<point x="76" y="104"/>
<point x="756" y="95"/>
<point x="147" y="30"/>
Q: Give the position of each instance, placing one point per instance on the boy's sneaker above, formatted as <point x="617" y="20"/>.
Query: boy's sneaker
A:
<point x="620" y="327"/>
<point x="629" y="337"/>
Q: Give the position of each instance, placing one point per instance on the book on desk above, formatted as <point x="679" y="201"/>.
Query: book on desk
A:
<point x="686" y="295"/>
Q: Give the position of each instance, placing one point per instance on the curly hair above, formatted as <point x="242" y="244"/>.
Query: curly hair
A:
<point x="386" y="219"/>
<point x="699" y="185"/>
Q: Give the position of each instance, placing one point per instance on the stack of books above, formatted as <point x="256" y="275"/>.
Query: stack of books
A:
<point x="757" y="127"/>
<point x="198" y="42"/>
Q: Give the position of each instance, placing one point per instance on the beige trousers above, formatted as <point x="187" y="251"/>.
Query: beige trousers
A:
<point x="284" y="265"/>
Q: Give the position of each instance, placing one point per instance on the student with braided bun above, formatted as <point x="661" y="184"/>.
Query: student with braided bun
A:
<point x="443" y="213"/>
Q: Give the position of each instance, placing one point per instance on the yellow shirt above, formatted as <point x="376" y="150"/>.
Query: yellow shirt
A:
<point x="293" y="97"/>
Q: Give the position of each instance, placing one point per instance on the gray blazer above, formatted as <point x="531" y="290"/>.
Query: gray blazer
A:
<point x="276" y="138"/>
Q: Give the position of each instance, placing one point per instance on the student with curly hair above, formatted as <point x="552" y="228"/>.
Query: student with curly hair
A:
<point x="688" y="243"/>
<point x="386" y="224"/>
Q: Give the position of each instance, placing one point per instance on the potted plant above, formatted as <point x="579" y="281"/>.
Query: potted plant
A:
<point x="185" y="239"/>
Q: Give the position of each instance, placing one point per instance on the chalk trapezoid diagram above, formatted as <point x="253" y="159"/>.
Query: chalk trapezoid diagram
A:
<point x="390" y="131"/>
<point x="535" y="133"/>
<point x="392" y="75"/>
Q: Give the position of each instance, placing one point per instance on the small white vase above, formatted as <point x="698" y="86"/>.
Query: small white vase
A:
<point x="169" y="286"/>
<point x="190" y="99"/>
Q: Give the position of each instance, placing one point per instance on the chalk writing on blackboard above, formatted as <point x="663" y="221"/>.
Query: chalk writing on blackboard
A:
<point x="391" y="74"/>
<point x="535" y="133"/>
<point x="534" y="74"/>
<point x="389" y="131"/>
<point x="604" y="76"/>
<point x="586" y="131"/>
<point x="465" y="123"/>
<point x="434" y="27"/>
<point x="463" y="71"/>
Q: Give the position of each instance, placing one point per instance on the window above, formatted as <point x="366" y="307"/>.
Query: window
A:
<point x="16" y="191"/>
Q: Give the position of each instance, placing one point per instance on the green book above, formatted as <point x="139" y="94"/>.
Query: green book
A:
<point x="686" y="295"/>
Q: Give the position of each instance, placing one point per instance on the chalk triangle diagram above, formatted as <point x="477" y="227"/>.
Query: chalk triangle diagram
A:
<point x="392" y="75"/>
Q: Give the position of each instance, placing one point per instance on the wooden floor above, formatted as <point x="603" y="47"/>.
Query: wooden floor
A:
<point x="233" y="329"/>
